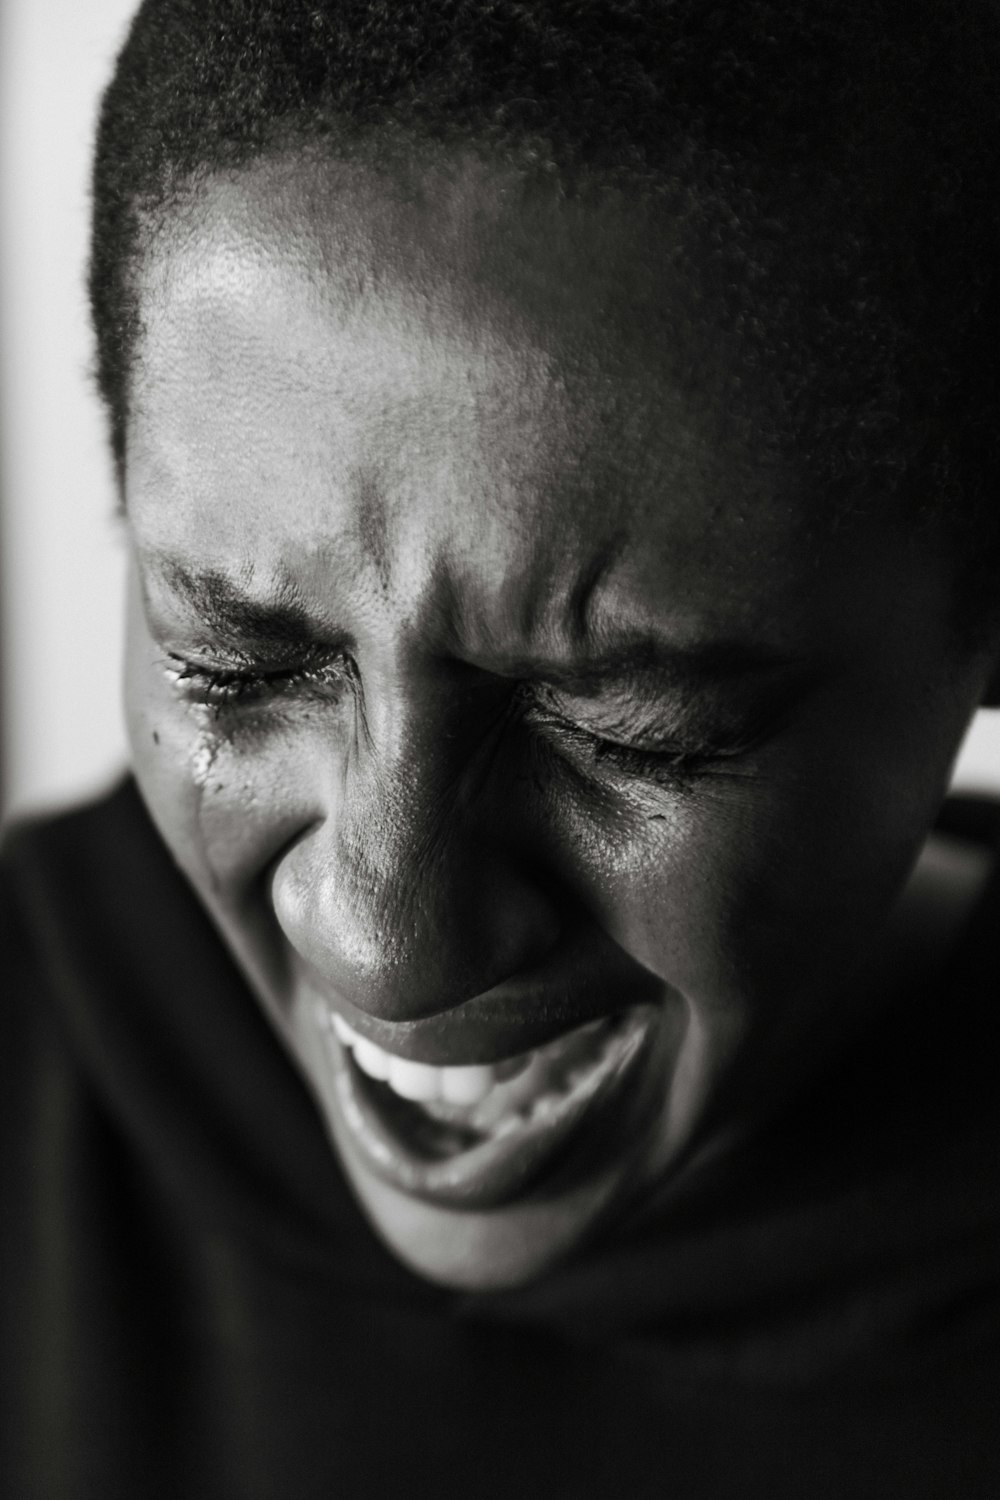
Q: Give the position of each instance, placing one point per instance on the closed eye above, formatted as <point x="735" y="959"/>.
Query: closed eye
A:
<point x="224" y="686"/>
<point x="667" y="759"/>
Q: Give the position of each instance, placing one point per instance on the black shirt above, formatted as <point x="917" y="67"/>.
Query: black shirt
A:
<point x="194" y="1306"/>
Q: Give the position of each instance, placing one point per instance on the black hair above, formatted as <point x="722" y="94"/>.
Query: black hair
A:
<point x="835" y="166"/>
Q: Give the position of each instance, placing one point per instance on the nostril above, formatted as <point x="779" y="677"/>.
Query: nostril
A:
<point x="406" y="946"/>
<point x="441" y="948"/>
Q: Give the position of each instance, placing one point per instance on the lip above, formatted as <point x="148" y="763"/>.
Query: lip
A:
<point x="508" y="1019"/>
<point x="539" y="1155"/>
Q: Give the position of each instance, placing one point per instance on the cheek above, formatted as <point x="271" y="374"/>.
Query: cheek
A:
<point x="743" y="895"/>
<point x="748" y="896"/>
<point x="165" y="750"/>
<point x="226" y="803"/>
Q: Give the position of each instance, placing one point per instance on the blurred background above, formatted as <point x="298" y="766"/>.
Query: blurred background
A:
<point x="59" y="548"/>
<point x="61" y="557"/>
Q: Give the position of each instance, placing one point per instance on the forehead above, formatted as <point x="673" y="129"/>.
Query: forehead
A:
<point x="352" y="379"/>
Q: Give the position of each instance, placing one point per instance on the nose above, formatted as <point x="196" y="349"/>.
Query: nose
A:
<point x="415" y="890"/>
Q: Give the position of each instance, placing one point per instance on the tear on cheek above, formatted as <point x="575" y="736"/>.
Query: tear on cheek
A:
<point x="245" y="802"/>
<point x="204" y="753"/>
<point x="234" y="813"/>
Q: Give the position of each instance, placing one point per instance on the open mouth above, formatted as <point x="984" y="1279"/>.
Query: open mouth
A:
<point x="480" y="1134"/>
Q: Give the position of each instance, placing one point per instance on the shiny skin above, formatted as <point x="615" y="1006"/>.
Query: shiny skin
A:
<point x="440" y="414"/>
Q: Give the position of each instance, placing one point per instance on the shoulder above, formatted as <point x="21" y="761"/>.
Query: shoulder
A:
<point x="92" y="911"/>
<point x="52" y="870"/>
<point x="92" y="894"/>
<point x="72" y="856"/>
<point x="968" y="832"/>
<point x="939" y="916"/>
<point x="62" y="879"/>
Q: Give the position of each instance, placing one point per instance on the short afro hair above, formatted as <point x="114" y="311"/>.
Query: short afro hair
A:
<point x="835" y="163"/>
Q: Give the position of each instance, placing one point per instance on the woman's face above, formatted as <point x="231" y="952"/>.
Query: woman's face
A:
<point x="514" y="721"/>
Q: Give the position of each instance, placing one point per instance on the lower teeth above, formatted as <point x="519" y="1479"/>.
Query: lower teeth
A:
<point x="432" y="1137"/>
<point x="440" y="1129"/>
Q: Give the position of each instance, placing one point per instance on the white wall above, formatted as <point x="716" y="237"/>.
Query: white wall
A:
<point x="61" y="563"/>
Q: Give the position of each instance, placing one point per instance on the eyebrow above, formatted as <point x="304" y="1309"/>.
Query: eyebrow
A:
<point x="282" y="620"/>
<point x="645" y="656"/>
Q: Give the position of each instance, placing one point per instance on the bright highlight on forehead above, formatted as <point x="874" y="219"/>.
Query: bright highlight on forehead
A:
<point x="308" y="301"/>
<point x="448" y="401"/>
<point x="487" y="272"/>
<point x="556" y="320"/>
<point x="304" y="281"/>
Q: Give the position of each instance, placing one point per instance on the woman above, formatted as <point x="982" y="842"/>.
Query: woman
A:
<point x="517" y="1029"/>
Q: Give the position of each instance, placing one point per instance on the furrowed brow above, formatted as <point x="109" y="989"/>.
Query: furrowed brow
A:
<point x="597" y="654"/>
<point x="230" y="612"/>
<point x="714" y="662"/>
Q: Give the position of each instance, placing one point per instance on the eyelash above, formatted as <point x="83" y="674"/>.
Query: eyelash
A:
<point x="227" y="687"/>
<point x="658" y="765"/>
<point x="672" y="764"/>
<point x="232" y="687"/>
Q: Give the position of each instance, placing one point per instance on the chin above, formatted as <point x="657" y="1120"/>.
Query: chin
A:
<point x="488" y="1250"/>
<point x="496" y="1209"/>
<point x="485" y="1252"/>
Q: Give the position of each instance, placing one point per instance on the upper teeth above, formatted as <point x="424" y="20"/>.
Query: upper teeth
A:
<point x="419" y="1081"/>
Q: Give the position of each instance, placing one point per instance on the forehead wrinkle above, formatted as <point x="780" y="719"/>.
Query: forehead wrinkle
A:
<point x="485" y="350"/>
<point x="372" y="525"/>
<point x="579" y="623"/>
<point x="416" y="438"/>
<point x="432" y="384"/>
